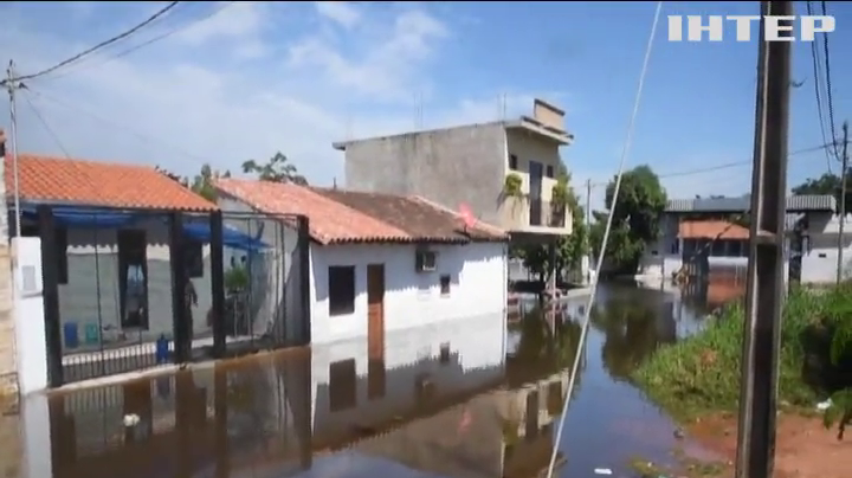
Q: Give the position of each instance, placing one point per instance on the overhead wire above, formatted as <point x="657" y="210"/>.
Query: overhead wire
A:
<point x="46" y="126"/>
<point x="100" y="45"/>
<point x="572" y="379"/>
<point x="162" y="36"/>
<point x="818" y="81"/>
<point x="829" y="94"/>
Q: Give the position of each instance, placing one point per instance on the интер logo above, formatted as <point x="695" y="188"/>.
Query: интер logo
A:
<point x="777" y="27"/>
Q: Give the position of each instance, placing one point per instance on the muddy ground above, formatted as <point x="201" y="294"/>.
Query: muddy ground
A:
<point x="804" y="447"/>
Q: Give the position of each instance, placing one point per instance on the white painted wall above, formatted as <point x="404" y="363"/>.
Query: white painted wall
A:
<point x="479" y="342"/>
<point x="478" y="274"/>
<point x="819" y="259"/>
<point x="30" y="337"/>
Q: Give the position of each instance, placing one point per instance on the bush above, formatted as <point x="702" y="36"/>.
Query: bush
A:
<point x="701" y="374"/>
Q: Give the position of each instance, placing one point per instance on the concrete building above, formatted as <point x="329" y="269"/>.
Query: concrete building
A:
<point x="381" y="263"/>
<point x="702" y="227"/>
<point x="504" y="172"/>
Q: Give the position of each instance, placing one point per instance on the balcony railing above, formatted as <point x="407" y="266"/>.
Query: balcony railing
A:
<point x="520" y="213"/>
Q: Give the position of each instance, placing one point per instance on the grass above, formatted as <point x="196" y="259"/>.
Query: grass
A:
<point x="701" y="374"/>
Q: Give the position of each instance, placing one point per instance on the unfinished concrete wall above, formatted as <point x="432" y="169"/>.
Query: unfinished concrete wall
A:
<point x="449" y="166"/>
<point x="8" y="373"/>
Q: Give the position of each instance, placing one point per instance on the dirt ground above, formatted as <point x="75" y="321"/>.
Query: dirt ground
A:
<point x="804" y="447"/>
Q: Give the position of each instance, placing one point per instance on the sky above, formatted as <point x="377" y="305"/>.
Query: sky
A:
<point x="223" y="82"/>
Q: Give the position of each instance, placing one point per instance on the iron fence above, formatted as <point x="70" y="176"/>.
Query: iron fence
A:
<point x="126" y="290"/>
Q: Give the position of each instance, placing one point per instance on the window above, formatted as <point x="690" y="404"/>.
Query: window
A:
<point x="549" y="172"/>
<point x="341" y="290"/>
<point x="513" y="162"/>
<point x="133" y="278"/>
<point x="342" y="382"/>
<point x="445" y="285"/>
<point x="31" y="230"/>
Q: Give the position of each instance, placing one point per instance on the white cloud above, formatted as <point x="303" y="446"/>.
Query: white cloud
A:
<point x="343" y="13"/>
<point x="182" y="101"/>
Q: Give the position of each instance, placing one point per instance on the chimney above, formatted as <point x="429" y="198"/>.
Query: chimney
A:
<point x="2" y="143"/>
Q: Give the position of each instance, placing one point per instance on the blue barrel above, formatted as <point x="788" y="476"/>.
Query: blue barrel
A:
<point x="72" y="341"/>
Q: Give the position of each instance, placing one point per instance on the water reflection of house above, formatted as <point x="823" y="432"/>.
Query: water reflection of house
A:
<point x="269" y="412"/>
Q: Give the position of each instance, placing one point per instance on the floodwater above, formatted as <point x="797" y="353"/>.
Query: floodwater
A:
<point x="475" y="398"/>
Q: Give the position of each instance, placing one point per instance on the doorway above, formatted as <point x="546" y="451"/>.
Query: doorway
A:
<point x="536" y="174"/>
<point x="376" y="311"/>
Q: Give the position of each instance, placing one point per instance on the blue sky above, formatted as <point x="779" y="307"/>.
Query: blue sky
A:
<point x="256" y="78"/>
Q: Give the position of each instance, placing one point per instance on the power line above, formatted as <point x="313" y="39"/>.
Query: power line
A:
<point x="102" y="44"/>
<point x="161" y="36"/>
<point x="47" y="127"/>
<point x="816" y="60"/>
<point x="828" y="89"/>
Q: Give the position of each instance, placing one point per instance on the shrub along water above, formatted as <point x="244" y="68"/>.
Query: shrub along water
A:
<point x="701" y="374"/>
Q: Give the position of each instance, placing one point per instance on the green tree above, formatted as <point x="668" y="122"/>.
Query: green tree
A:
<point x="277" y="169"/>
<point x="636" y="218"/>
<point x="202" y="183"/>
<point x="828" y="184"/>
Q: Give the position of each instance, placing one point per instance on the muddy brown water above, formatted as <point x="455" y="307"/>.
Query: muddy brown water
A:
<point x="477" y="398"/>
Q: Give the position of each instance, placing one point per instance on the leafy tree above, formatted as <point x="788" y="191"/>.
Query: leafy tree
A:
<point x="636" y="218"/>
<point x="277" y="169"/>
<point x="829" y="184"/>
<point x="202" y="183"/>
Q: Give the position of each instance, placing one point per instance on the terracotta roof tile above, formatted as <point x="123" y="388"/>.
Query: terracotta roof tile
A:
<point x="338" y="216"/>
<point x="711" y="229"/>
<point x="51" y="179"/>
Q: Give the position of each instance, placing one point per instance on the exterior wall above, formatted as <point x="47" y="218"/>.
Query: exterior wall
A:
<point x="409" y="354"/>
<point x="819" y="259"/>
<point x="91" y="296"/>
<point x="8" y="376"/>
<point x="527" y="146"/>
<point x="478" y="286"/>
<point x="449" y="166"/>
<point x="274" y="276"/>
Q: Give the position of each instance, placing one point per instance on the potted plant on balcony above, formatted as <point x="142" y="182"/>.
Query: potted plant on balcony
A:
<point x="559" y="197"/>
<point x="512" y="188"/>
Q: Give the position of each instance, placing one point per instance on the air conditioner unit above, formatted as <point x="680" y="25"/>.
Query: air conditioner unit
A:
<point x="425" y="261"/>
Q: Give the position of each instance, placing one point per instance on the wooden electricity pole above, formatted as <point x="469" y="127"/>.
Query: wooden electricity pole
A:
<point x="765" y="286"/>
<point x="843" y="169"/>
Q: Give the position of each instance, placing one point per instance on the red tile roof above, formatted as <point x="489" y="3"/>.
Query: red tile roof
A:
<point x="344" y="216"/>
<point x="711" y="229"/>
<point x="51" y="179"/>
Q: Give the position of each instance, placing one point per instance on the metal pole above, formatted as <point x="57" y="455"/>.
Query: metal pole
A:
<point x="843" y="171"/>
<point x="11" y="85"/>
<point x="765" y="286"/>
<point x="588" y="229"/>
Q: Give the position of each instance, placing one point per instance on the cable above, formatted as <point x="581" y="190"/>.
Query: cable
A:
<point x="158" y="38"/>
<point x="733" y="164"/>
<point x="47" y="127"/>
<point x="828" y="89"/>
<point x="201" y="160"/>
<point x="816" y="60"/>
<point x="572" y="380"/>
<point x="102" y="44"/>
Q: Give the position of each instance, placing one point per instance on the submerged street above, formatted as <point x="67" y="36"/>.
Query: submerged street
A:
<point x="447" y="402"/>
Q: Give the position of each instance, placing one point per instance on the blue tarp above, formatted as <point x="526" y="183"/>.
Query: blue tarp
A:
<point x="88" y="217"/>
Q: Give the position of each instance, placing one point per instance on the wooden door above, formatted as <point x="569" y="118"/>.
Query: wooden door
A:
<point x="376" y="311"/>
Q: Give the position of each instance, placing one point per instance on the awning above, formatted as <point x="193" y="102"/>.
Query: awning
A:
<point x="89" y="217"/>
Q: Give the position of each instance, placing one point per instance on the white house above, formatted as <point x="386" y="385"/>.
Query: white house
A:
<point x="693" y="226"/>
<point x="379" y="263"/>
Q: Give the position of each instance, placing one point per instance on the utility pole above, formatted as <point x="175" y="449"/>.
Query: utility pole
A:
<point x="588" y="227"/>
<point x="843" y="169"/>
<point x="12" y="85"/>
<point x="765" y="284"/>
